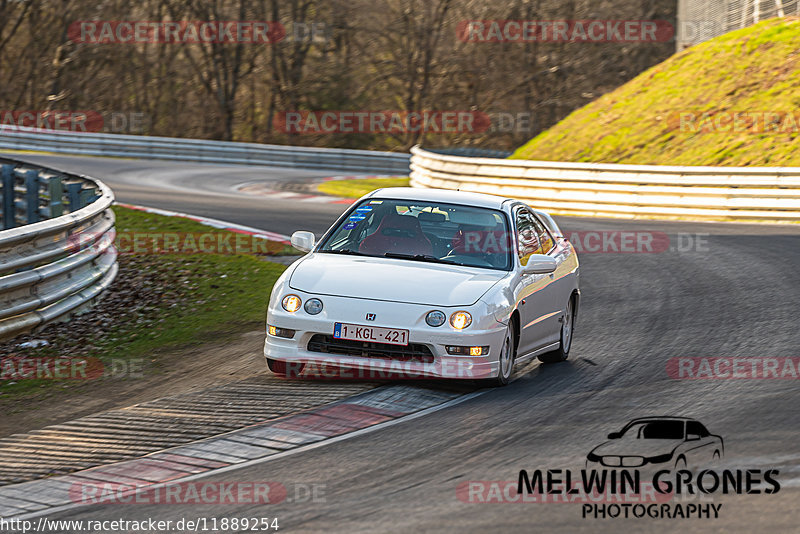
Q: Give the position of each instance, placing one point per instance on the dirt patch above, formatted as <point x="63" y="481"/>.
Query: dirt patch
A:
<point x="143" y="286"/>
<point x="145" y="291"/>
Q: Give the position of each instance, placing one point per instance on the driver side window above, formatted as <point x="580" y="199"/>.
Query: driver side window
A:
<point x="527" y="236"/>
<point x="693" y="427"/>
<point x="545" y="240"/>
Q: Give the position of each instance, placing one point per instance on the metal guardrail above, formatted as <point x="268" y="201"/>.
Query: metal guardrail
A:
<point x="628" y="191"/>
<point x="198" y="150"/>
<point x="701" y="20"/>
<point x="57" y="247"/>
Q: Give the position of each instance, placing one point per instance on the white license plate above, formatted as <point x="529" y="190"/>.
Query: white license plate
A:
<point x="376" y="334"/>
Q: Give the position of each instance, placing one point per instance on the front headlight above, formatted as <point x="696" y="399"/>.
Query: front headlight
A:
<point x="291" y="303"/>
<point x="460" y="320"/>
<point x="660" y="459"/>
<point x="435" y="318"/>
<point x="313" y="306"/>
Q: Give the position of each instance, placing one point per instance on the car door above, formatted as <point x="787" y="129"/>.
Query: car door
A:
<point x="556" y="287"/>
<point x="534" y="301"/>
<point x="700" y="446"/>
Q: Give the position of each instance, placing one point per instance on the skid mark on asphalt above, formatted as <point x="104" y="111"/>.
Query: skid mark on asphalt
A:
<point x="304" y="190"/>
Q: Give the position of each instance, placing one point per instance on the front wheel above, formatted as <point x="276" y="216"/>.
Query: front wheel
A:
<point x="506" y="361"/>
<point x="567" y="326"/>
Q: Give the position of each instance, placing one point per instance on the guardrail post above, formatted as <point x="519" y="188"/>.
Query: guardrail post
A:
<point x="74" y="196"/>
<point x="87" y="197"/>
<point x="32" y="196"/>
<point x="56" y="191"/>
<point x="9" y="207"/>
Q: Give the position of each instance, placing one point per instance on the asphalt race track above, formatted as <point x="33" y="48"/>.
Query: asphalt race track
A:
<point x="199" y="189"/>
<point x="736" y="295"/>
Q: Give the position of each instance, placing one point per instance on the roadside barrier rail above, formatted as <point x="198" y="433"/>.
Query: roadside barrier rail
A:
<point x="770" y="194"/>
<point x="57" y="249"/>
<point x="201" y="150"/>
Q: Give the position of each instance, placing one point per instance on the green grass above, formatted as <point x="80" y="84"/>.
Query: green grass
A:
<point x="359" y="188"/>
<point x="131" y="221"/>
<point x="196" y="299"/>
<point x="755" y="69"/>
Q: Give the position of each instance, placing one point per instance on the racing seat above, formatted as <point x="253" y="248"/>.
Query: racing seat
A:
<point x="400" y="234"/>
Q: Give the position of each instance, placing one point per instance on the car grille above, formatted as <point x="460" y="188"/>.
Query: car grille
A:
<point x="414" y="352"/>
<point x="622" y="461"/>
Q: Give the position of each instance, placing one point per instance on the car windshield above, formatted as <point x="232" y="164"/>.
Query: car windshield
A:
<point x="656" y="430"/>
<point x="424" y="231"/>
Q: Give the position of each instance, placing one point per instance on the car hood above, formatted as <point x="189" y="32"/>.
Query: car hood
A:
<point x="393" y="279"/>
<point x="636" y="447"/>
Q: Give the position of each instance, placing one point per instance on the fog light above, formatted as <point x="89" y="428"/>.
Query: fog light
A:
<point x="460" y="320"/>
<point x="280" y="332"/>
<point x="291" y="303"/>
<point x="456" y="350"/>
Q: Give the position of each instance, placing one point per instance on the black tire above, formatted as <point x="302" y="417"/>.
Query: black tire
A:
<point x="279" y="368"/>
<point x="565" y="343"/>
<point x="508" y="354"/>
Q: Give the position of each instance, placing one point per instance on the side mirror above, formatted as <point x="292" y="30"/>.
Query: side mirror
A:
<point x="539" y="264"/>
<point x="692" y="437"/>
<point x="614" y="435"/>
<point x="303" y="241"/>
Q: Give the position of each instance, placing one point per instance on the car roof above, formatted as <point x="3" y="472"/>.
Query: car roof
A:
<point x="481" y="200"/>
<point x="661" y="418"/>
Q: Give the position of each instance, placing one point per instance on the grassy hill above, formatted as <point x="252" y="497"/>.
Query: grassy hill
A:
<point x="682" y="111"/>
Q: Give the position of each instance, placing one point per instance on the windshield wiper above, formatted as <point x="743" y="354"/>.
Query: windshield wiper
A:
<point x="344" y="251"/>
<point x="419" y="257"/>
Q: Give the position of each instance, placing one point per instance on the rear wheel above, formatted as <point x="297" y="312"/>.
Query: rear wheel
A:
<point x="567" y="326"/>
<point x="281" y="369"/>
<point x="506" y="361"/>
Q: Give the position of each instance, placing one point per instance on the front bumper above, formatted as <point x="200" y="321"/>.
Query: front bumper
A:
<point x="484" y="331"/>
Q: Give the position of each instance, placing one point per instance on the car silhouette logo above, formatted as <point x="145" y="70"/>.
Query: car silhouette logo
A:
<point x="671" y="442"/>
<point x="370" y="317"/>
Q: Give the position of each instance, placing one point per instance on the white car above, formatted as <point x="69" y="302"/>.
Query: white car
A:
<point x="427" y="283"/>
